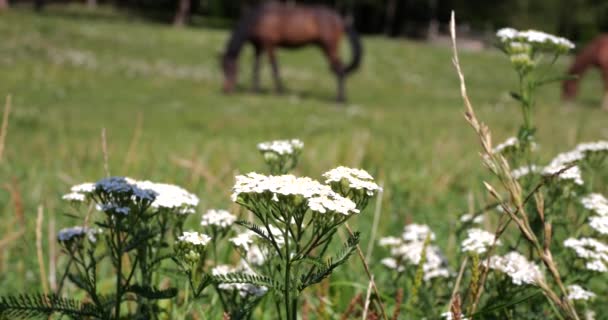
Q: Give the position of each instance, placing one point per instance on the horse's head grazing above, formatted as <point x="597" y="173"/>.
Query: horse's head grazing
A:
<point x="229" y="66"/>
<point x="569" y="89"/>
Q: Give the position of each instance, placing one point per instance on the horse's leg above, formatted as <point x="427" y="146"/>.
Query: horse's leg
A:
<point x="275" y="70"/>
<point x="605" y="100"/>
<point x="337" y="68"/>
<point x="256" y="68"/>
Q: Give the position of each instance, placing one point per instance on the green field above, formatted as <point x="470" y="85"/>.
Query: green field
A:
<point x="156" y="91"/>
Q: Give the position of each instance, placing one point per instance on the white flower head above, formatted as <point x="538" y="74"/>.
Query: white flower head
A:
<point x="194" y="238"/>
<point x="417" y="232"/>
<point x="565" y="173"/>
<point x="282" y="147"/>
<point x="524" y="171"/>
<point x="589" y="147"/>
<point x="600" y="224"/>
<point x="596" y="203"/>
<point x="319" y="197"/>
<point x="467" y="217"/>
<point x="478" y="241"/>
<point x="243" y="240"/>
<point x="508" y="145"/>
<point x="74" y="197"/>
<point x="83" y="188"/>
<point x="169" y="196"/>
<point x="517" y="267"/>
<point x="218" y="218"/>
<point x="594" y="252"/>
<point x="576" y="292"/>
<point x="354" y="178"/>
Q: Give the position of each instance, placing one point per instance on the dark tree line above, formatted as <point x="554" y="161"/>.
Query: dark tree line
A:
<point x="576" y="19"/>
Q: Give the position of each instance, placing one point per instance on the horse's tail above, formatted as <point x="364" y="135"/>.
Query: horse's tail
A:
<point x="356" y="48"/>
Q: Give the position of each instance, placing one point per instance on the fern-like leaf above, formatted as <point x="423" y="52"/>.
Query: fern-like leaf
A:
<point x="332" y="263"/>
<point x="239" y="277"/>
<point x="29" y="306"/>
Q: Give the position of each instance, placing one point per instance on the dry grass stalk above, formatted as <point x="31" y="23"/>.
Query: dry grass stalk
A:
<point x="368" y="298"/>
<point x="52" y="247"/>
<point x="104" y="149"/>
<point x="4" y="128"/>
<point x="376" y="222"/>
<point x="398" y="301"/>
<point x="10" y="238"/>
<point x="130" y="157"/>
<point x="455" y="293"/>
<point x="350" y="310"/>
<point x="499" y="166"/>
<point x="456" y="308"/>
<point x="40" y="253"/>
<point x="372" y="283"/>
<point x="16" y="199"/>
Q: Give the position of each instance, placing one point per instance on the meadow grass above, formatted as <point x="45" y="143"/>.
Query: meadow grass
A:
<point x="156" y="91"/>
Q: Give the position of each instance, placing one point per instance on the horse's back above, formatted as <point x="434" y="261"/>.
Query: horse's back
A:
<point x="292" y="25"/>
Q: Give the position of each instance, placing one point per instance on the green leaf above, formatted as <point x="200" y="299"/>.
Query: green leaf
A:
<point x="28" y="306"/>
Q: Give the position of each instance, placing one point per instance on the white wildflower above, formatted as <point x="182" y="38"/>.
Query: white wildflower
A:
<point x="450" y="316"/>
<point x="592" y="250"/>
<point x="74" y="197"/>
<point x="417" y="232"/>
<point x="355" y="178"/>
<point x="596" y="203"/>
<point x="598" y="146"/>
<point x="390" y="241"/>
<point x="169" y="196"/>
<point x="281" y="147"/>
<point x="524" y="171"/>
<point x="509" y="144"/>
<point x="195" y="238"/>
<point x="505" y="34"/>
<point x="478" y="241"/>
<point x="243" y="240"/>
<point x="600" y="224"/>
<point x="320" y="198"/>
<point x="218" y="218"/>
<point x="517" y="267"/>
<point x="392" y="263"/>
<point x="85" y="188"/>
<point x="576" y="292"/>
<point x="572" y="173"/>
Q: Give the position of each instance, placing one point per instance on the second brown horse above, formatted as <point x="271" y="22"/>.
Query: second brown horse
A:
<point x="595" y="54"/>
<point x="275" y="25"/>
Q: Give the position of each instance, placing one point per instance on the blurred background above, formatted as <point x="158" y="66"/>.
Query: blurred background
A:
<point x="579" y="20"/>
<point x="75" y="68"/>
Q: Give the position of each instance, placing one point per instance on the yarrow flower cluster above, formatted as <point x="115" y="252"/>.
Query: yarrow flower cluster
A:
<point x="161" y="195"/>
<point x="281" y="147"/>
<point x="218" y="218"/>
<point x="288" y="188"/>
<point x="524" y="171"/>
<point x="576" y="292"/>
<point x="407" y="250"/>
<point x="596" y="203"/>
<point x="478" y="241"/>
<point x="194" y="238"/>
<point x="538" y="39"/>
<point x="517" y="267"/>
<point x="352" y="178"/>
<point x="594" y="252"/>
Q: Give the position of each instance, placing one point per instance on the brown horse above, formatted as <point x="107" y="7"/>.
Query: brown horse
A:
<point x="593" y="55"/>
<point x="275" y="25"/>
